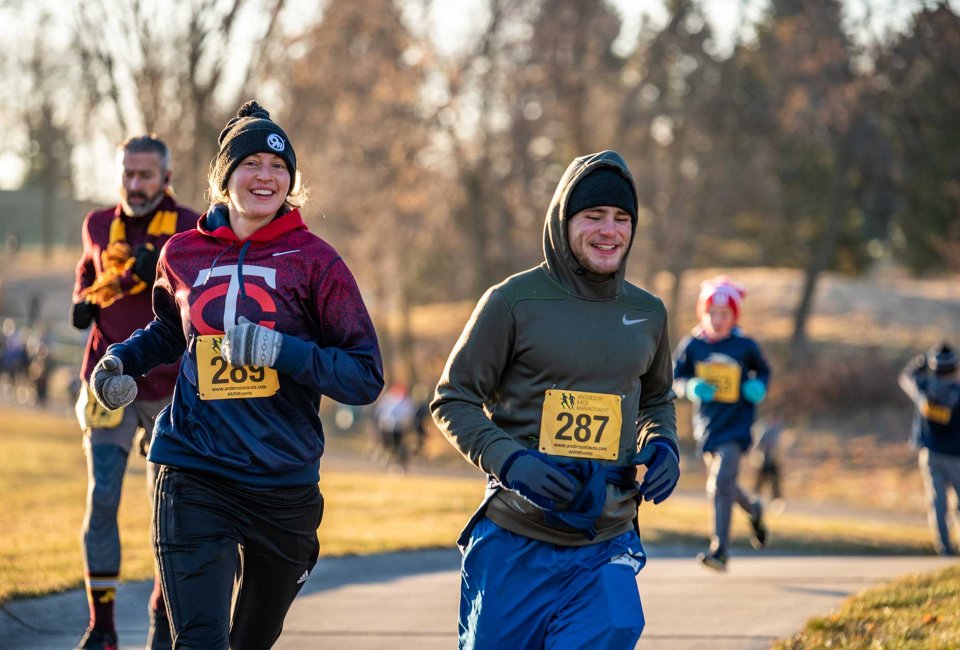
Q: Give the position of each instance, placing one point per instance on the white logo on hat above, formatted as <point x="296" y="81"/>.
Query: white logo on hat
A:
<point x="275" y="142"/>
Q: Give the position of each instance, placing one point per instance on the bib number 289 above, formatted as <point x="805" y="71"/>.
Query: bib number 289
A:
<point x="217" y="379"/>
<point x="224" y="373"/>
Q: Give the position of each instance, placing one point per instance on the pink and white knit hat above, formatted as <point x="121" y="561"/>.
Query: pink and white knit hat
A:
<point x="720" y="290"/>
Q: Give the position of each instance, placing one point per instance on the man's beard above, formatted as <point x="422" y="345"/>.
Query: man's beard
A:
<point x="145" y="208"/>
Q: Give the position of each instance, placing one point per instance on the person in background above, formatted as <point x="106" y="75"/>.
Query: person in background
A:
<point x="421" y="396"/>
<point x="931" y="382"/>
<point x="265" y="319"/>
<point x="724" y="374"/>
<point x="559" y="387"/>
<point x="394" y="413"/>
<point x="112" y="296"/>
<point x="765" y="459"/>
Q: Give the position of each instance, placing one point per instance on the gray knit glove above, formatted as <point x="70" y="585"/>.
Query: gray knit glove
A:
<point x="111" y="387"/>
<point x="249" y="344"/>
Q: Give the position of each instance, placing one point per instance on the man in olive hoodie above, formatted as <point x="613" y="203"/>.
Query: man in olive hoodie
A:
<point x="560" y="385"/>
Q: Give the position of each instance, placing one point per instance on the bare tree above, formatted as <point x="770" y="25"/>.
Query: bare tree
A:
<point x="178" y="68"/>
<point x="671" y="121"/>
<point x="50" y="145"/>
<point x="354" y="101"/>
<point x="815" y="98"/>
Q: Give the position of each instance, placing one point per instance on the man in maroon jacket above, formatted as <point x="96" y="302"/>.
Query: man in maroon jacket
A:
<point x="112" y="296"/>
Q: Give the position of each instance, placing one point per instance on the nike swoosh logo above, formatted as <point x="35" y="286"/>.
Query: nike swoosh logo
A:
<point x="633" y="322"/>
<point x="286" y="252"/>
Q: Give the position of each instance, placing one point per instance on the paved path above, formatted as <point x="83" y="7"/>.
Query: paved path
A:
<point x="409" y="600"/>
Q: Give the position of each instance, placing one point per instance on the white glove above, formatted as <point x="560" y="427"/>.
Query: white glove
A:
<point x="249" y="344"/>
<point x="111" y="387"/>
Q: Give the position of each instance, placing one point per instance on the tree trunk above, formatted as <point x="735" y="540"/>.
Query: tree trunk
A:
<point x="406" y="347"/>
<point x="823" y="249"/>
<point x="48" y="213"/>
<point x="673" y="304"/>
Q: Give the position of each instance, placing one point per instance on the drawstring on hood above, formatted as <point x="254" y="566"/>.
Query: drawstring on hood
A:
<point x="243" y="253"/>
<point x="560" y="263"/>
<point x="216" y="223"/>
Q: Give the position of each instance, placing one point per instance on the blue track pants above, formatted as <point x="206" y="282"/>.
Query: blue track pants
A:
<point x="524" y="594"/>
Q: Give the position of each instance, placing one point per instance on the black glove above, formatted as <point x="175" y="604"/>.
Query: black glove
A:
<point x="82" y="314"/>
<point x="538" y="479"/>
<point x="145" y="262"/>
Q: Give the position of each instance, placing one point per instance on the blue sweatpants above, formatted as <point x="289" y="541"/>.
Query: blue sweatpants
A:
<point x="524" y="594"/>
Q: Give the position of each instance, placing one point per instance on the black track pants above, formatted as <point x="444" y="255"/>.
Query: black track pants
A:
<point x="209" y="535"/>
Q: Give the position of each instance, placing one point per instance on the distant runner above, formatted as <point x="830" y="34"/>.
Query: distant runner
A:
<point x="723" y="372"/>
<point x="931" y="382"/>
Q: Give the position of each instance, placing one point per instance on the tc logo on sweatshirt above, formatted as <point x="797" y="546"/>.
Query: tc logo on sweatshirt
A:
<point x="230" y="291"/>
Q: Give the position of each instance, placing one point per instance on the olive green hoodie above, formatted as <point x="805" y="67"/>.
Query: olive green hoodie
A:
<point x="558" y="326"/>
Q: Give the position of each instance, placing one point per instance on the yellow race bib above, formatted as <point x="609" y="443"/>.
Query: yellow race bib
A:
<point x="935" y="412"/>
<point x="217" y="379"/>
<point x="581" y="425"/>
<point x="725" y="377"/>
<point x="92" y="415"/>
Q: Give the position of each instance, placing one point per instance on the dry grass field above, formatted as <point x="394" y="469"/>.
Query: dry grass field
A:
<point x="845" y="441"/>
<point x="368" y="510"/>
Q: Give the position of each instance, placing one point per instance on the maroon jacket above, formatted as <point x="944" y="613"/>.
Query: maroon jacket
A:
<point x="131" y="311"/>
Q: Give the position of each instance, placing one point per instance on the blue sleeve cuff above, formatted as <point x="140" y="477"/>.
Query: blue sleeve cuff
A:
<point x="664" y="442"/>
<point x="118" y="350"/>
<point x="508" y="463"/>
<point x="293" y="353"/>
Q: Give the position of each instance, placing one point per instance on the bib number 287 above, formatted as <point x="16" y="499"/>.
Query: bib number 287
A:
<point x="578" y="424"/>
<point x="581" y="428"/>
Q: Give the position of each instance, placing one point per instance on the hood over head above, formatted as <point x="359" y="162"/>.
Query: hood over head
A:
<point x="560" y="262"/>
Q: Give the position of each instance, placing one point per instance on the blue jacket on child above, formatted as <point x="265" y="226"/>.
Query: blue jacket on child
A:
<point x="726" y="364"/>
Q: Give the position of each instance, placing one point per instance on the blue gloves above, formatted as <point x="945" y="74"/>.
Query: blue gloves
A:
<point x="538" y="479"/>
<point x="701" y="389"/>
<point x="754" y="391"/>
<point x="663" y="470"/>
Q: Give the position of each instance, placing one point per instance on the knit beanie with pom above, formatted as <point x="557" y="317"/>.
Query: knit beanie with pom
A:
<point x="723" y="291"/>
<point x="251" y="131"/>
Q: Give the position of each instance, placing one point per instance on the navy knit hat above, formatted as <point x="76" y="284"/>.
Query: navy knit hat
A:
<point x="251" y="131"/>
<point x="603" y="186"/>
<point x="942" y="359"/>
